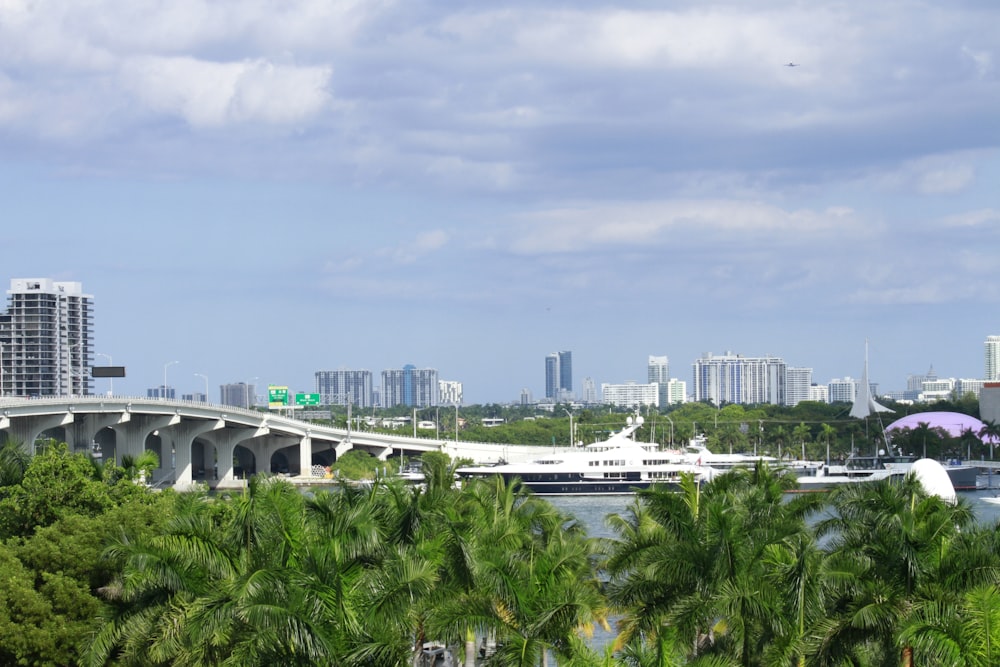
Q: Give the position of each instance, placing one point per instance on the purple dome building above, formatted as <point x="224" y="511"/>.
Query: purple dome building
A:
<point x="954" y="423"/>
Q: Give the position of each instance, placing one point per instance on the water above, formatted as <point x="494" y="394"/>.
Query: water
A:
<point x="592" y="510"/>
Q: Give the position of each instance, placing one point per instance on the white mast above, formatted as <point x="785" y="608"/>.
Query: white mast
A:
<point x="864" y="402"/>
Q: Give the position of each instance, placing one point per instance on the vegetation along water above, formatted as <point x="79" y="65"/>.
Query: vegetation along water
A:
<point x="100" y="570"/>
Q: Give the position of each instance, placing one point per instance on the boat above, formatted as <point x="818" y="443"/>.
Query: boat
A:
<point x="697" y="452"/>
<point x="992" y="500"/>
<point x="882" y="465"/>
<point x="617" y="465"/>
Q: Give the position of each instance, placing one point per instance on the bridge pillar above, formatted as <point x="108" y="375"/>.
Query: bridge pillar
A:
<point x="225" y="442"/>
<point x="181" y="437"/>
<point x="85" y="428"/>
<point x="305" y="455"/>
<point x="134" y="432"/>
<point x="27" y="429"/>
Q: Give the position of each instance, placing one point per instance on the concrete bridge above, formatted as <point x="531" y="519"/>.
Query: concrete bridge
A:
<point x="216" y="444"/>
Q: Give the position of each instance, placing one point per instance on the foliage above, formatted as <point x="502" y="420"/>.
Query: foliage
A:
<point x="358" y="464"/>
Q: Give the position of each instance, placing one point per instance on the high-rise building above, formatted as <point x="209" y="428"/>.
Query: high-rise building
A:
<point x="842" y="390"/>
<point x="341" y="387"/>
<point x="238" y="394"/>
<point x="416" y="387"/>
<point x="676" y="391"/>
<point x="732" y="378"/>
<point x="630" y="394"/>
<point x="161" y="391"/>
<point x="658" y="371"/>
<point x="992" y="346"/>
<point x="450" y="392"/>
<point x="559" y="376"/>
<point x="46" y="339"/>
<point x="798" y="383"/>
<point x="589" y="391"/>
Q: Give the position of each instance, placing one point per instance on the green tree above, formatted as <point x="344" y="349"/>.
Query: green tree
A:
<point x="690" y="570"/>
<point x="890" y="549"/>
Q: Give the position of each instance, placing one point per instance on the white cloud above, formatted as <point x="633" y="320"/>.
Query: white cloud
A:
<point x="982" y="60"/>
<point x="977" y="218"/>
<point x="591" y="227"/>
<point x="409" y="251"/>
<point x="946" y="179"/>
<point x="210" y="94"/>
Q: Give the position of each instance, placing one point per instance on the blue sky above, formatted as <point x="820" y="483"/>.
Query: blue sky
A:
<point x="262" y="189"/>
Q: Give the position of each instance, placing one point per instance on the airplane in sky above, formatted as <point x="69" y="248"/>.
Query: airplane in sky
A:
<point x="791" y="64"/>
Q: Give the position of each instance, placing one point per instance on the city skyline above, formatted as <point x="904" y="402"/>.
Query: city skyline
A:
<point x="260" y="191"/>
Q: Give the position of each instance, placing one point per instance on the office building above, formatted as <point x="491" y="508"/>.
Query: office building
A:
<point x="819" y="393"/>
<point x="733" y="378"/>
<point x="416" y="387"/>
<point x="450" y="392"/>
<point x="161" y="392"/>
<point x="195" y="397"/>
<point x="342" y="387"/>
<point x="968" y="386"/>
<point x="992" y="345"/>
<point x="676" y="391"/>
<point x="630" y="394"/>
<point x="559" y="376"/>
<point x="46" y="339"/>
<point x="589" y="391"/>
<point x="842" y="390"/>
<point x="798" y="383"/>
<point x="238" y="394"/>
<point x="658" y="371"/>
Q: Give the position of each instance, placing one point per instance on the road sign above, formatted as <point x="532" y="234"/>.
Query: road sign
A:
<point x="277" y="397"/>
<point x="307" y="399"/>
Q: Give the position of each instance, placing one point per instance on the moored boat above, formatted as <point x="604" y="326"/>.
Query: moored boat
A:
<point x="616" y="465"/>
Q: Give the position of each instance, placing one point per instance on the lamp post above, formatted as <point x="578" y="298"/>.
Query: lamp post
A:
<point x="111" y="380"/>
<point x="205" y="378"/>
<point x="671" y="431"/>
<point x="572" y="442"/>
<point x="456" y="423"/>
<point x="165" y="367"/>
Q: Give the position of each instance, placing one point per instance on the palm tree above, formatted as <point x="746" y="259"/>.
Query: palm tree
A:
<point x="14" y="460"/>
<point x="891" y="547"/>
<point x="690" y="571"/>
<point x="990" y="432"/>
<point x="520" y="572"/>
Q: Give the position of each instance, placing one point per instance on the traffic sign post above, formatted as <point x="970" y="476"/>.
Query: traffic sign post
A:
<point x="277" y="397"/>
<point x="307" y="399"/>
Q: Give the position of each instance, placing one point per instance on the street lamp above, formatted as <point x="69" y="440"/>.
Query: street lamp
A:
<point x="572" y="441"/>
<point x="111" y="380"/>
<point x="165" y="367"/>
<point x="205" y="378"/>
<point x="671" y="431"/>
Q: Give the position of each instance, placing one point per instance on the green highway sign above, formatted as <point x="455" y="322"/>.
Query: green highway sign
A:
<point x="277" y="396"/>
<point x="307" y="399"/>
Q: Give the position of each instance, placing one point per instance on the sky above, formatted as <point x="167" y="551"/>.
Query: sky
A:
<point x="262" y="189"/>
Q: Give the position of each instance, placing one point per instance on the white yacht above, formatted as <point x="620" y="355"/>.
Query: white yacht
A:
<point x="616" y="465"/>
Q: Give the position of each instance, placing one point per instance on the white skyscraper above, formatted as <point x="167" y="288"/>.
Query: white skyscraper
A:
<point x="797" y="384"/>
<point x="733" y="378"/>
<point x="658" y="371"/>
<point x="46" y="339"/>
<point x="992" y="359"/>
<point x="630" y="394"/>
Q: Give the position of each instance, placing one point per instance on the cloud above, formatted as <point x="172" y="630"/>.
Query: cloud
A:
<point x="408" y="252"/>
<point x="593" y="226"/>
<point x="209" y="94"/>
<point x="978" y="218"/>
